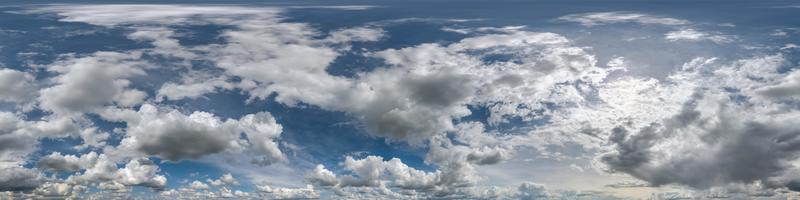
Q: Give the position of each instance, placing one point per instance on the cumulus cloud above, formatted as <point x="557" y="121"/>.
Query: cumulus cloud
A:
<point x="604" y="18"/>
<point x="288" y="193"/>
<point x="691" y="128"/>
<point x="262" y="131"/>
<point x="19" y="179"/>
<point x="728" y="144"/>
<point x="86" y="84"/>
<point x="455" y="172"/>
<point x="787" y="87"/>
<point x="396" y="103"/>
<point x="20" y="137"/>
<point x="16" y="145"/>
<point x="93" y="169"/>
<point x="142" y="172"/>
<point x="174" y="136"/>
<point x="226" y="179"/>
<point x="54" y="190"/>
<point x="726" y="138"/>
<point x="322" y="177"/>
<point x="370" y="172"/>
<point x="193" y="85"/>
<point x="66" y="163"/>
<point x="197" y="185"/>
<point x="18" y="87"/>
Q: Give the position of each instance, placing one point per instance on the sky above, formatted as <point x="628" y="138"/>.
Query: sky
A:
<point x="385" y="99"/>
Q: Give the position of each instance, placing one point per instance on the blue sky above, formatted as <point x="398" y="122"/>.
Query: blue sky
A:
<point x="399" y="100"/>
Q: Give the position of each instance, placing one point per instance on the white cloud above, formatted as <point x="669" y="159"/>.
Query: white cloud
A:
<point x="396" y="103"/>
<point x="87" y="84"/>
<point x="322" y="177"/>
<point x="163" y="41"/>
<point x="174" y="136"/>
<point x="226" y="179"/>
<point x="130" y="14"/>
<point x="68" y="163"/>
<point x="604" y="18"/>
<point x="418" y="98"/>
<point x="693" y="35"/>
<point x="59" y="190"/>
<point x="357" y="34"/>
<point x="787" y="87"/>
<point x="197" y="185"/>
<point x="506" y="29"/>
<point x="18" y="87"/>
<point x="193" y="85"/>
<point x="141" y="172"/>
<point x="18" y="179"/>
<point x="288" y="193"/>
<point x="709" y="130"/>
<point x="171" y="135"/>
<point x="262" y="131"/>
<point x="101" y="169"/>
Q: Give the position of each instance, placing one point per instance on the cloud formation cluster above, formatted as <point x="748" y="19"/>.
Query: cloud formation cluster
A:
<point x="710" y="124"/>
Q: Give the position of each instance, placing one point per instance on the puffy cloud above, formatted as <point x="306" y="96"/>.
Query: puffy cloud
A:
<point x="406" y="177"/>
<point x="728" y="148"/>
<point x="193" y="85"/>
<point x="164" y="132"/>
<point x="174" y="136"/>
<point x="398" y="103"/>
<point x="226" y="179"/>
<point x="322" y="177"/>
<point x="448" y="78"/>
<point x="16" y="86"/>
<point x="419" y="97"/>
<point x="141" y="172"/>
<point x="367" y="171"/>
<point x="262" y="131"/>
<point x="603" y="18"/>
<point x="288" y="193"/>
<point x="532" y="191"/>
<point x="20" y="137"/>
<point x="51" y="190"/>
<point x="87" y="84"/>
<point x="373" y="172"/>
<point x="15" y="145"/>
<point x="693" y="35"/>
<point x="17" y="178"/>
<point x="689" y="129"/>
<point x="787" y="87"/>
<point x="66" y="163"/>
<point x="101" y="169"/>
<point x="197" y="185"/>
<point x="94" y="168"/>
